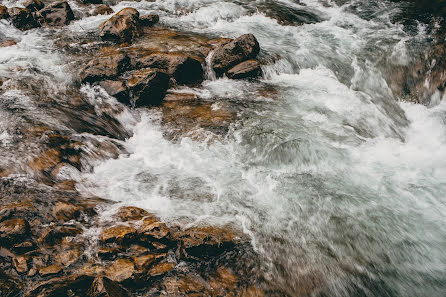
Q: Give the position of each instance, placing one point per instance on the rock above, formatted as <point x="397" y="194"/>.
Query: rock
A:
<point x="122" y="27"/>
<point x="148" y="86"/>
<point x="115" y="88"/>
<point x="105" y="67"/>
<point x="118" y="234"/>
<point x="230" y="54"/>
<point x="183" y="68"/>
<point x="131" y="213"/>
<point x="9" y="286"/>
<point x="66" y="211"/>
<point x="92" y="1"/>
<point x="121" y="270"/>
<point x="74" y="285"/>
<point x="21" y="209"/>
<point x="57" y="14"/>
<point x="287" y="15"/>
<point x="252" y="291"/>
<point x="105" y="287"/>
<point x="50" y="270"/>
<point x="46" y="161"/>
<point x="247" y="69"/>
<point x="66" y="185"/>
<point x="7" y="43"/>
<point x="161" y="268"/>
<point x="107" y="253"/>
<point x="149" y="20"/>
<point x="3" y="12"/>
<point x="22" y="18"/>
<point x="23" y="247"/>
<point x="187" y="285"/>
<point x="68" y="257"/>
<point x="54" y="236"/>
<point x="34" y="5"/>
<point x="143" y="262"/>
<point x="102" y="9"/>
<point x="21" y="264"/>
<point x="13" y="231"/>
<point x="151" y="230"/>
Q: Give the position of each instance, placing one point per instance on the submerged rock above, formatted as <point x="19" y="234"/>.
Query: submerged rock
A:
<point x="7" y="43"/>
<point x="288" y="15"/>
<point x="122" y="27"/>
<point x="105" y="67"/>
<point x="116" y="88"/>
<point x="148" y="86"/>
<point x="22" y="18"/>
<point x="247" y="69"/>
<point x="131" y="213"/>
<point x="230" y="54"/>
<point x="150" y="19"/>
<point x="57" y="14"/>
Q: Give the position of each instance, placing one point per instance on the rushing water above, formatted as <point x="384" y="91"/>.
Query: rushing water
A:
<point x="339" y="186"/>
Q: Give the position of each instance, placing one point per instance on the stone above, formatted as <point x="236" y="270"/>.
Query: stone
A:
<point x="102" y="9"/>
<point x="13" y="231"/>
<point x="21" y="264"/>
<point x="92" y="1"/>
<point x="148" y="86"/>
<point x="106" y="253"/>
<point x="115" y="88"/>
<point x="105" y="67"/>
<point x="253" y="291"/>
<point x="105" y="287"/>
<point x="150" y="230"/>
<point x="22" y="18"/>
<point x="34" y="5"/>
<point x="161" y="268"/>
<point x="68" y="257"/>
<point x="55" y="236"/>
<point x="122" y="27"/>
<point x="185" y="69"/>
<point x="3" y="12"/>
<point x="248" y="69"/>
<point x="149" y="20"/>
<point x="66" y="185"/>
<point x="143" y="262"/>
<point x="66" y="211"/>
<point x="187" y="284"/>
<point x="18" y="209"/>
<point x="121" y="270"/>
<point x="230" y="54"/>
<point x="118" y="234"/>
<point x="50" y="270"/>
<point x="23" y="247"/>
<point x="46" y="161"/>
<point x="131" y="213"/>
<point x="74" y="285"/>
<point x="287" y="15"/>
<point x="57" y="14"/>
<point x="7" y="43"/>
<point x="9" y="286"/>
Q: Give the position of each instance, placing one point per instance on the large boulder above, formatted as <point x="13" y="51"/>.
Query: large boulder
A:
<point x="247" y="69"/>
<point x="22" y="18"/>
<point x="57" y="14"/>
<point x="186" y="70"/>
<point x="148" y="86"/>
<point x="122" y="27"/>
<point x="105" y="67"/>
<point x="230" y="54"/>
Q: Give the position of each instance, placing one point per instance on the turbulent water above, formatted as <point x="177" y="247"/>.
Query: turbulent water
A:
<point x="339" y="186"/>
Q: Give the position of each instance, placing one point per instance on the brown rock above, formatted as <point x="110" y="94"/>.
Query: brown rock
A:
<point x="74" y="285"/>
<point x="34" y="5"/>
<point x="21" y="264"/>
<point x="7" y="43"/>
<point x="108" y="253"/>
<point x="14" y="230"/>
<point x="92" y="1"/>
<point x="105" y="67"/>
<point x="247" y="69"/>
<point x="66" y="211"/>
<point x="187" y="285"/>
<point x="9" y="286"/>
<point x="148" y="86"/>
<point x="149" y="20"/>
<point x="23" y="247"/>
<point x="105" y="287"/>
<point x="54" y="236"/>
<point x="50" y="270"/>
<point x="122" y="27"/>
<point x="161" y="268"/>
<point x="131" y="213"/>
<point x="230" y="54"/>
<point x="116" y="88"/>
<point x="184" y="69"/>
<point x="68" y="257"/>
<point x="22" y="18"/>
<point x="118" y="234"/>
<point x="21" y="209"/>
<point x="121" y="270"/>
<point x="57" y="14"/>
<point x="151" y="229"/>
<point x="66" y="185"/>
<point x="252" y="291"/>
<point x="102" y="9"/>
<point x="46" y="161"/>
<point x="3" y="12"/>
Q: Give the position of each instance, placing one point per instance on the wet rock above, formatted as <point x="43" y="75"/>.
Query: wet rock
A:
<point x="21" y="264"/>
<point x="184" y="69"/>
<point x="253" y="291"/>
<point x="287" y="15"/>
<point x="75" y="285"/>
<point x="106" y="253"/>
<point x="13" y="230"/>
<point x="7" y="43"/>
<point x="66" y="211"/>
<point x="50" y="270"/>
<point x="131" y="213"/>
<point x="57" y="14"/>
<point x="247" y="69"/>
<point x="118" y="234"/>
<point x="115" y="88"/>
<point x="46" y="161"/>
<point x="102" y="9"/>
<point x="143" y="262"/>
<point x="230" y="54"/>
<point x="148" y="86"/>
<point x="149" y="20"/>
<point x="34" y="5"/>
<point x="54" y="236"/>
<point x="68" y="257"/>
<point x="122" y="27"/>
<point x="66" y="185"/>
<point x="161" y="268"/>
<point x="22" y="18"/>
<point x="105" y="67"/>
<point x="121" y="270"/>
<point x="3" y="12"/>
<point x="151" y="230"/>
<point x="105" y="287"/>
<point x="20" y="209"/>
<point x="92" y="1"/>
<point x="187" y="285"/>
<point x="9" y="286"/>
<point x="23" y="247"/>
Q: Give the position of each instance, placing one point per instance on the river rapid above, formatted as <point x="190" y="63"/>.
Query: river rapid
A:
<point x="339" y="185"/>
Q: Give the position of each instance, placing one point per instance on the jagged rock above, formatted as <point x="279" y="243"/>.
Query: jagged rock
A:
<point x="21" y="264"/>
<point x="13" y="230"/>
<point x="161" y="268"/>
<point x="287" y="15"/>
<point x="22" y="18"/>
<point x="105" y="67"/>
<point x="23" y="247"/>
<point x="121" y="270"/>
<point x="106" y="253"/>
<point x="145" y="261"/>
<point x="105" y="287"/>
<point x="230" y="54"/>
<point x="118" y="234"/>
<point x="102" y="9"/>
<point x="3" y="12"/>
<point x="46" y="161"/>
<point x="75" y="285"/>
<point x="21" y="209"/>
<point x="50" y="270"/>
<point x="151" y="229"/>
<point x="131" y="213"/>
<point x="115" y="88"/>
<point x="57" y="14"/>
<point x="247" y="69"/>
<point x="149" y="20"/>
<point x="68" y="257"/>
<point x="122" y="27"/>
<point x="183" y="68"/>
<point x="34" y="5"/>
<point x="54" y="236"/>
<point x="148" y="86"/>
<point x="188" y="285"/>
<point x="65" y="211"/>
